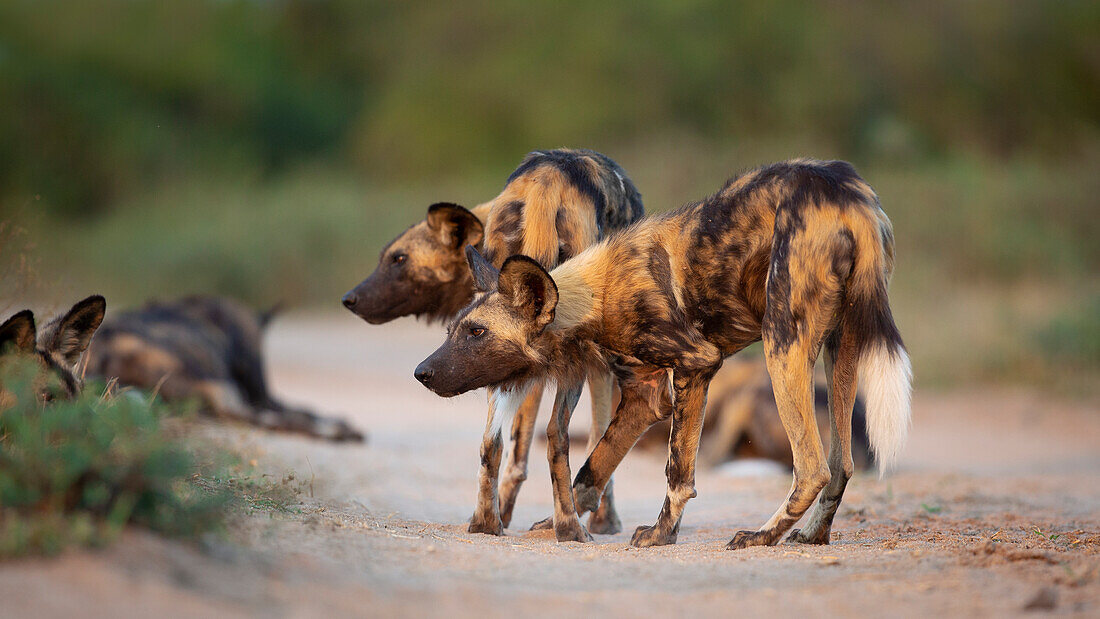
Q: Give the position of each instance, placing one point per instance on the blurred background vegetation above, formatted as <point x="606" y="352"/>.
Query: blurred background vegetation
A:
<point x="266" y="149"/>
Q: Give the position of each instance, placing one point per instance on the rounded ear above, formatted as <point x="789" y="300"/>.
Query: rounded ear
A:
<point x="18" y="332"/>
<point x="70" y="335"/>
<point x="529" y="288"/>
<point x="485" y="274"/>
<point x="455" y="225"/>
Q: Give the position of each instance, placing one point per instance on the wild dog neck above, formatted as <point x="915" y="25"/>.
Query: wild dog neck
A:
<point x="578" y="321"/>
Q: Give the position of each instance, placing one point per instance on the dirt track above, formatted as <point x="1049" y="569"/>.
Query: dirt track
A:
<point x="996" y="504"/>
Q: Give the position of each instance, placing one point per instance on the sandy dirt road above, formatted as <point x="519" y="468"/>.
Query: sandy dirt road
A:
<point x="995" y="507"/>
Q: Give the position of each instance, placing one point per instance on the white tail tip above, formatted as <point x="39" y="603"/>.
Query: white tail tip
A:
<point x="885" y="379"/>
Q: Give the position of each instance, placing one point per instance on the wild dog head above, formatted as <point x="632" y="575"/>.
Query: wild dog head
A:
<point x="501" y="337"/>
<point x="58" y="347"/>
<point x="423" y="272"/>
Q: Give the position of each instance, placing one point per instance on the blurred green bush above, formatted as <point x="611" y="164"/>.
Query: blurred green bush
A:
<point x="76" y="472"/>
<point x="102" y="98"/>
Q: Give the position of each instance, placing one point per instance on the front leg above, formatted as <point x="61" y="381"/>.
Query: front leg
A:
<point x="486" y="518"/>
<point x="502" y="406"/>
<point x="687" y="425"/>
<point x="644" y="401"/>
<point x="515" y="471"/>
<point x="567" y="526"/>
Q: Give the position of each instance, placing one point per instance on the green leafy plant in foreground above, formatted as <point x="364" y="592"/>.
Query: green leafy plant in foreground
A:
<point x="76" y="472"/>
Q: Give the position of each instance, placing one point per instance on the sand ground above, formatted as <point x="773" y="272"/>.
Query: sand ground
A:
<point x="995" y="508"/>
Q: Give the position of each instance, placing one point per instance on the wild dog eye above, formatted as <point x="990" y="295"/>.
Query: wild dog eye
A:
<point x="476" y="332"/>
<point x="399" y="258"/>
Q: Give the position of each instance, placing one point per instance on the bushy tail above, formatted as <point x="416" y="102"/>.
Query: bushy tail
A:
<point x="885" y="375"/>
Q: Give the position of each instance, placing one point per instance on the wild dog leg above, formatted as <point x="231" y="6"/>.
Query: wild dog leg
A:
<point x="302" y="421"/>
<point x="791" y="370"/>
<point x="643" y="402"/>
<point x="515" y="472"/>
<point x="683" y="446"/>
<point x="502" y="405"/>
<point x="604" y="520"/>
<point x="567" y="526"/>
<point x="840" y="373"/>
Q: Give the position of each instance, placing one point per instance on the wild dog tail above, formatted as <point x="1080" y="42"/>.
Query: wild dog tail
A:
<point x="561" y="206"/>
<point x="266" y="316"/>
<point x="884" y="373"/>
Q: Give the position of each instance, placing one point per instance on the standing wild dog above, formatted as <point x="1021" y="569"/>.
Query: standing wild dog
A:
<point x="798" y="254"/>
<point x="555" y="204"/>
<point x="58" y="347"/>
<point x="207" y="349"/>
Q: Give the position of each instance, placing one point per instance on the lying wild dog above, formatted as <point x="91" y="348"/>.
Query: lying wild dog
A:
<point x="555" y="204"/>
<point x="742" y="421"/>
<point x="58" y="347"/>
<point x="207" y="349"/>
<point x="797" y="254"/>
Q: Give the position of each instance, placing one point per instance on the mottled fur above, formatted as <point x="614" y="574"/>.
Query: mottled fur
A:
<point x="742" y="420"/>
<point x="797" y="254"/>
<point x="59" y="347"/>
<point x="555" y="204"/>
<point x="207" y="349"/>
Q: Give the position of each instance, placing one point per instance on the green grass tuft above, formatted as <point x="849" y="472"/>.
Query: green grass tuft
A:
<point x="77" y="472"/>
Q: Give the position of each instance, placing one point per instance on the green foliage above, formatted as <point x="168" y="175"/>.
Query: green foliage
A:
<point x="105" y="97"/>
<point x="76" y="472"/>
<point x="1074" y="334"/>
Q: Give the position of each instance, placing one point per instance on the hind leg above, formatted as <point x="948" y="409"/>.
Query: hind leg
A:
<point x="515" y="473"/>
<point x="605" y="520"/>
<point x="791" y="367"/>
<point x="840" y="373"/>
<point x="302" y="421"/>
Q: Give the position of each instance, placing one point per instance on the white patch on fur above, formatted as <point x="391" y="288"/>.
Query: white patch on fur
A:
<point x="622" y="186"/>
<point x="885" y="379"/>
<point x="505" y="404"/>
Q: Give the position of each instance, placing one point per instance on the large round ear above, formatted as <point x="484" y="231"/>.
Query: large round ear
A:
<point x="529" y="288"/>
<point x="455" y="225"/>
<point x="70" y="335"/>
<point x="485" y="274"/>
<point x="17" y="334"/>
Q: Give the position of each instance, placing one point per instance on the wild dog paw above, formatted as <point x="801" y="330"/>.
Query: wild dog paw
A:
<point x="605" y="522"/>
<point x="571" y="531"/>
<point x="543" y="525"/>
<point x="586" y="498"/>
<point x="745" y="539"/>
<point x="490" y="525"/>
<point x="798" y="536"/>
<point x="644" y="537"/>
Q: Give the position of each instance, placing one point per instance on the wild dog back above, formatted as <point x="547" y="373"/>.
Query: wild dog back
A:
<point x="208" y="349"/>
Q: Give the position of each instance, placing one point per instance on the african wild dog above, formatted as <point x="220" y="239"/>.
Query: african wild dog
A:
<point x="797" y="254"/>
<point x="742" y="421"/>
<point x="59" y="346"/>
<point x="555" y="204"/>
<point x="207" y="349"/>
